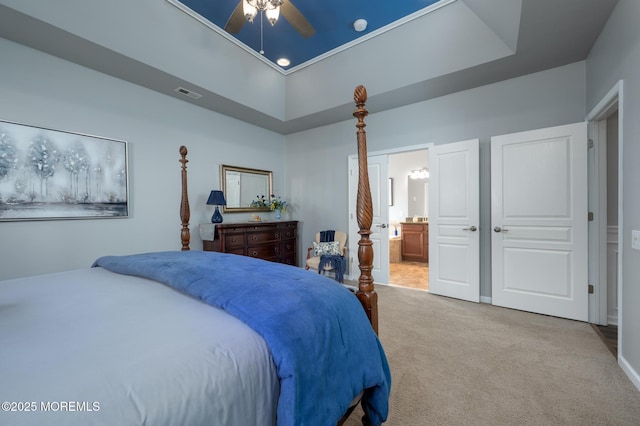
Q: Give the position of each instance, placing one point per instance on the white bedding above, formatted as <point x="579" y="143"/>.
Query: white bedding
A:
<point x="90" y="347"/>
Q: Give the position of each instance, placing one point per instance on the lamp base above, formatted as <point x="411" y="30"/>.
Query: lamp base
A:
<point x="217" y="217"/>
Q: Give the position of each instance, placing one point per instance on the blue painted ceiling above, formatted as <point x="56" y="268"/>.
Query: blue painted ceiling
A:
<point x="331" y="19"/>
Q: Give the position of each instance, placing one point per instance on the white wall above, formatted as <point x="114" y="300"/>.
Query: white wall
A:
<point x="167" y="39"/>
<point x="42" y="90"/>
<point x="316" y="160"/>
<point x="456" y="27"/>
<point x="616" y="56"/>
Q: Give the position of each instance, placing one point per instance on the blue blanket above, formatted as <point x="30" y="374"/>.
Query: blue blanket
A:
<point x="337" y="262"/>
<point x="328" y="235"/>
<point x="322" y="344"/>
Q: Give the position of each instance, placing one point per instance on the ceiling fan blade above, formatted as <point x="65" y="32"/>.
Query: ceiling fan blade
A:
<point x="297" y="19"/>
<point x="236" y="20"/>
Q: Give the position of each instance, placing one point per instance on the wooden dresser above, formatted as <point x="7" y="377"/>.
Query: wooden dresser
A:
<point x="273" y="241"/>
<point x="415" y="241"/>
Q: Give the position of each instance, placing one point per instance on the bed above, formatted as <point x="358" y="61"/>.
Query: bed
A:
<point x="194" y="338"/>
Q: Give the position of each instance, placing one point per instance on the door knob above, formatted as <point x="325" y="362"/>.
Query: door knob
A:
<point x="498" y="229"/>
<point x="472" y="228"/>
<point x="382" y="225"/>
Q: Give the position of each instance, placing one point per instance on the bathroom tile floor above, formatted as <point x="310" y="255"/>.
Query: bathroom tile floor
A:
<point x="409" y="274"/>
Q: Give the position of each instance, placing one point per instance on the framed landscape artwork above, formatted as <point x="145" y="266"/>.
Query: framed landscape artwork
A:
<point x="52" y="174"/>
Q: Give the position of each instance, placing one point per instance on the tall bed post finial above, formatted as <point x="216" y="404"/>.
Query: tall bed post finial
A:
<point x="364" y="212"/>
<point x="185" y="213"/>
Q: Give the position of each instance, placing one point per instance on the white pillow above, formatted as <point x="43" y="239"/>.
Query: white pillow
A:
<point x="331" y="248"/>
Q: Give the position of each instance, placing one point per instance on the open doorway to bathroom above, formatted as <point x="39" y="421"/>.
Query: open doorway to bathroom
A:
<point x="409" y="219"/>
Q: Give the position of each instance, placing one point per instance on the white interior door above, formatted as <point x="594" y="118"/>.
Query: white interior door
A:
<point x="539" y="221"/>
<point x="377" y="165"/>
<point x="380" y="225"/>
<point x="454" y="218"/>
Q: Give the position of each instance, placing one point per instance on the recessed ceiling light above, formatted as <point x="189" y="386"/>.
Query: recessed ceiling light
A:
<point x="360" y="25"/>
<point x="283" y="62"/>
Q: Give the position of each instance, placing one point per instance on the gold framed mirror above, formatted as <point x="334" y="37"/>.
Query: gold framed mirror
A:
<point x="242" y="186"/>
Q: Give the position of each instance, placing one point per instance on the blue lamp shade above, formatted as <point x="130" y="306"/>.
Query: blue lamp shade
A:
<point x="216" y="198"/>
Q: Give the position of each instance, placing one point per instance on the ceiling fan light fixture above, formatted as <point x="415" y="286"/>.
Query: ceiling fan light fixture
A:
<point x="272" y="15"/>
<point x="271" y="8"/>
<point x="249" y="10"/>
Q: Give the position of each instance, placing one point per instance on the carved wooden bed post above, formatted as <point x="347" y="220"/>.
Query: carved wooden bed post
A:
<point x="185" y="212"/>
<point x="364" y="211"/>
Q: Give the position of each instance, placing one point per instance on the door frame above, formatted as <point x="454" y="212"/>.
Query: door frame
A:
<point x="353" y="243"/>
<point x="597" y="254"/>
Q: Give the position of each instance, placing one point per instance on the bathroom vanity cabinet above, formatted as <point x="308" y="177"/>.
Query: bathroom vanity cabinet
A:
<point x="415" y="241"/>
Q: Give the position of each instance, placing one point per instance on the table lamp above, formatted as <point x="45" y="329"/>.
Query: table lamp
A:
<point x="216" y="198"/>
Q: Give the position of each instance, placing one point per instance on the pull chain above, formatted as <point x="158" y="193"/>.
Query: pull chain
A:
<point x="261" y="39"/>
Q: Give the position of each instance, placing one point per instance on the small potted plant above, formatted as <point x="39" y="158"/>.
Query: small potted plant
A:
<point x="279" y="205"/>
<point x="274" y="203"/>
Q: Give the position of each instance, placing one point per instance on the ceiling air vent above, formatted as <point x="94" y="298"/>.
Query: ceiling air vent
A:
<point x="188" y="93"/>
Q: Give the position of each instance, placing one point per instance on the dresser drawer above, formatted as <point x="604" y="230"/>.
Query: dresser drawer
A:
<point x="289" y="260"/>
<point x="267" y="252"/>
<point x="234" y="240"/>
<point x="237" y="250"/>
<point x="263" y="237"/>
<point x="288" y="247"/>
<point x="288" y="233"/>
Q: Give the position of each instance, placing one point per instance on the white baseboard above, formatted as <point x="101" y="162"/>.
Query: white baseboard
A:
<point x="630" y="372"/>
<point x="485" y="299"/>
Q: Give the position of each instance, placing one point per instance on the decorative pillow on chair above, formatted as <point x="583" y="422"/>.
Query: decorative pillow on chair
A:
<point x="331" y="248"/>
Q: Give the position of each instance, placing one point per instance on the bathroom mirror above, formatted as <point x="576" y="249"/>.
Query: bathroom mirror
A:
<point x="418" y="197"/>
<point x="241" y="186"/>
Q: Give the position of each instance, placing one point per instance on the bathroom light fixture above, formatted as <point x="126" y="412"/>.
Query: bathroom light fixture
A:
<point x="419" y="174"/>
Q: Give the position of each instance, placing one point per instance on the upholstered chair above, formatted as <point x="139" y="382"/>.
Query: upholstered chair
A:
<point x="315" y="250"/>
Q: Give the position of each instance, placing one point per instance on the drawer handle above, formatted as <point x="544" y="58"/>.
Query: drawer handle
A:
<point x="254" y="238"/>
<point x="234" y="239"/>
<point x="254" y="253"/>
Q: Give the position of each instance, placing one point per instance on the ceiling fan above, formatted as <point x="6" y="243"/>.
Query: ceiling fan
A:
<point x="288" y="10"/>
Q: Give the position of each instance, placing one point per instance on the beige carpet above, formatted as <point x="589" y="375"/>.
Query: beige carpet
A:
<point x="461" y="363"/>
